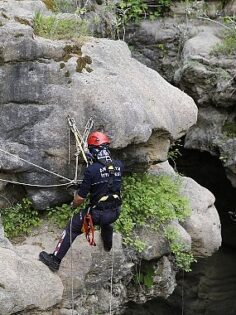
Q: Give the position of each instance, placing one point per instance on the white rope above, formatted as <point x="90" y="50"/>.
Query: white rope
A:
<point x="182" y="295"/>
<point x="111" y="283"/>
<point x="32" y="185"/>
<point x="35" y="165"/>
<point x="71" y="269"/>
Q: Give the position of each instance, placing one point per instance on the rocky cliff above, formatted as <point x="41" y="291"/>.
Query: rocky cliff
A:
<point x="184" y="48"/>
<point x="42" y="81"/>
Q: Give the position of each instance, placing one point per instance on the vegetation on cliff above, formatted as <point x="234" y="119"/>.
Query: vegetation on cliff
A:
<point x="148" y="201"/>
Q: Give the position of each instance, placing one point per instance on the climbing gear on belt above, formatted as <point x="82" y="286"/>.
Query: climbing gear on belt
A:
<point x="88" y="228"/>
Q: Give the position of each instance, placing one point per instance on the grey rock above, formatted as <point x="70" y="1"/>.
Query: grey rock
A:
<point x="212" y="135"/>
<point x="33" y="121"/>
<point x="24" y="284"/>
<point x="4" y="242"/>
<point x="205" y="238"/>
<point x="92" y="269"/>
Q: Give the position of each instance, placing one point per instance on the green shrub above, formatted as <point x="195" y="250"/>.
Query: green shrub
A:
<point x="54" y="28"/>
<point x="150" y="201"/>
<point x="61" y="214"/>
<point x="183" y="257"/>
<point x="19" y="219"/>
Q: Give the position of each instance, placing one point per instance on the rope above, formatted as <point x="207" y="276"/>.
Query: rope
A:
<point x="111" y="283"/>
<point x="35" y="165"/>
<point x="71" y="268"/>
<point x="182" y="295"/>
<point x="78" y="138"/>
<point x="33" y="185"/>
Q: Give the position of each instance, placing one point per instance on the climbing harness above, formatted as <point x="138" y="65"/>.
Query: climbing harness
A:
<point x="108" y="199"/>
<point x="88" y="228"/>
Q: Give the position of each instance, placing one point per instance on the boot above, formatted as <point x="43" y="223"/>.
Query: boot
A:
<point x="107" y="248"/>
<point x="50" y="260"/>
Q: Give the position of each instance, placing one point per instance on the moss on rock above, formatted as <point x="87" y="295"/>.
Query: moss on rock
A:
<point x="229" y="129"/>
<point x="82" y="63"/>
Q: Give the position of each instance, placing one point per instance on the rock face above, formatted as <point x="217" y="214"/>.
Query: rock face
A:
<point x="43" y="81"/>
<point x="86" y="273"/>
<point x="206" y="238"/>
<point x="182" y="49"/>
<point x="24" y="284"/>
<point x="97" y="78"/>
<point x="89" y="271"/>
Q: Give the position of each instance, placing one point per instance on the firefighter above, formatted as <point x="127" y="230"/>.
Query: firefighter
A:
<point x="102" y="181"/>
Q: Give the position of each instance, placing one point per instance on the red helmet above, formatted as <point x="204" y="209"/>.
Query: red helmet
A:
<point x="97" y="138"/>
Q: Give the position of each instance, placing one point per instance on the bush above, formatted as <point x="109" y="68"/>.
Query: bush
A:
<point x="61" y="215"/>
<point x="183" y="257"/>
<point x="151" y="201"/>
<point x="19" y="219"/>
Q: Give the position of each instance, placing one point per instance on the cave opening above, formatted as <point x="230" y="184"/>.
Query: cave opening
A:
<point x="208" y="171"/>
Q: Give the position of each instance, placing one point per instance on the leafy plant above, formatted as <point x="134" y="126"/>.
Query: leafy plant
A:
<point x="145" y="275"/>
<point x="149" y="201"/>
<point x="174" y="152"/>
<point x="61" y="214"/>
<point x="19" y="219"/>
<point x="134" y="10"/>
<point x="183" y="257"/>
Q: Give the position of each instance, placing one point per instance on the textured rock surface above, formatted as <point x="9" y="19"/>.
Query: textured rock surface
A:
<point x="206" y="237"/>
<point x="210" y="287"/>
<point x="97" y="78"/>
<point x="180" y="49"/>
<point x="24" y="284"/>
<point x="92" y="268"/>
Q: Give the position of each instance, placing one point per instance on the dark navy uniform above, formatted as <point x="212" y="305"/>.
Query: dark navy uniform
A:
<point x="96" y="183"/>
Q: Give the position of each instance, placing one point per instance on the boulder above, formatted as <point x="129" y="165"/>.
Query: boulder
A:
<point x="89" y="270"/>
<point x="24" y="284"/>
<point x="205" y="238"/>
